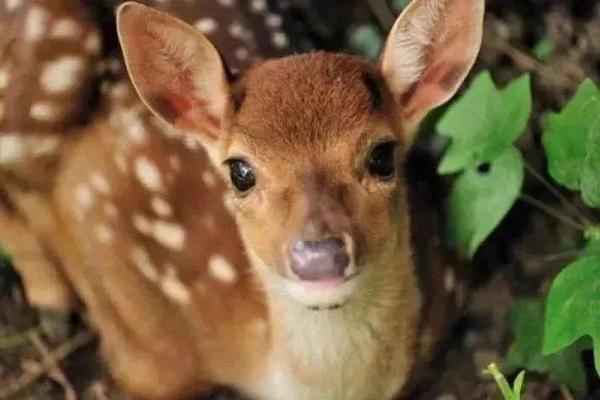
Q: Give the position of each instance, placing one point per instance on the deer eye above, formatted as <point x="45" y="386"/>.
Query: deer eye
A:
<point x="241" y="175"/>
<point x="381" y="162"/>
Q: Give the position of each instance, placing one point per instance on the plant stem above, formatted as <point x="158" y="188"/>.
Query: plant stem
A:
<point x="553" y="212"/>
<point x="552" y="257"/>
<point x="578" y="213"/>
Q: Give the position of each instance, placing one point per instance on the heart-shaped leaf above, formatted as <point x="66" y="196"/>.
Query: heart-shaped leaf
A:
<point x="484" y="122"/>
<point x="482" y="197"/>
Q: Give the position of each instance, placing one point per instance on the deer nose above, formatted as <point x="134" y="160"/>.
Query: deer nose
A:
<point x="319" y="260"/>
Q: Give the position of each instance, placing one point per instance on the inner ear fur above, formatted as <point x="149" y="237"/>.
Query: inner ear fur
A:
<point x="175" y="69"/>
<point x="429" y="52"/>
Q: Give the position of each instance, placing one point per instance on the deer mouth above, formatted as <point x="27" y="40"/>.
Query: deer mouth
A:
<point x="329" y="294"/>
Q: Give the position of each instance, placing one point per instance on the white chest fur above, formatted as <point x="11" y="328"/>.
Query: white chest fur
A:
<point x="342" y="354"/>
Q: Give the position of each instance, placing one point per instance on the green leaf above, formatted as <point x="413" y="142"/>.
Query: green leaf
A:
<point x="479" y="200"/>
<point x="567" y="137"/>
<point x="484" y="122"/>
<point x="518" y="384"/>
<point x="508" y="393"/>
<point x="398" y="5"/>
<point x="526" y="316"/>
<point x="592" y="248"/>
<point x="365" y="40"/>
<point x="543" y="49"/>
<point x="4" y="259"/>
<point x="590" y="176"/>
<point x="573" y="308"/>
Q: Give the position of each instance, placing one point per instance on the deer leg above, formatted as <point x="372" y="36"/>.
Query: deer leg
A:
<point x="44" y="285"/>
<point x="43" y="281"/>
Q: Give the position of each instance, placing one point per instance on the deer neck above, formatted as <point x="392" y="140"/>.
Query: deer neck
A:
<point x="322" y="346"/>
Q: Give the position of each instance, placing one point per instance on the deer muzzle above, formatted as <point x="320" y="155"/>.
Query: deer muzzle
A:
<point x="319" y="261"/>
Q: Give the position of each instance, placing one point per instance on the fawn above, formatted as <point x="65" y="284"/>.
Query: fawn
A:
<point x="289" y="259"/>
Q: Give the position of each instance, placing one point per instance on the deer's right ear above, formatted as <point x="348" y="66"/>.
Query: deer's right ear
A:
<point x="175" y="69"/>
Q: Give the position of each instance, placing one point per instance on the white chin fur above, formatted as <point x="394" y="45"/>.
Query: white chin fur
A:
<point x="327" y="297"/>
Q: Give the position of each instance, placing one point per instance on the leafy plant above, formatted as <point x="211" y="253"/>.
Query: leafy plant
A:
<point x="482" y="196"/>
<point x="483" y="125"/>
<point x="526" y="319"/>
<point x="573" y="307"/>
<point x="4" y="258"/>
<point x="365" y="40"/>
<point x="508" y="393"/>
<point x="398" y="5"/>
<point x="572" y="144"/>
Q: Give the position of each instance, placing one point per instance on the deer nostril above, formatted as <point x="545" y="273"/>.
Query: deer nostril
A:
<point x="319" y="260"/>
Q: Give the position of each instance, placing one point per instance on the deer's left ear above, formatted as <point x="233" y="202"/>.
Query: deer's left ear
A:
<point x="430" y="50"/>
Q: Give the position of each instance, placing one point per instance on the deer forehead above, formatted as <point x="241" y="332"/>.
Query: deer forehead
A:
<point x="308" y="99"/>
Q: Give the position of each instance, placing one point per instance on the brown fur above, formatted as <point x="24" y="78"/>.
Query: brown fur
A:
<point x="188" y="281"/>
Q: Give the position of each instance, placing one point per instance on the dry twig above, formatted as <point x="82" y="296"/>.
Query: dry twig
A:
<point x="47" y="365"/>
<point x="54" y="370"/>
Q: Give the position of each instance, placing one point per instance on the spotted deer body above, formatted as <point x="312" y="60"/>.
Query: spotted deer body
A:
<point x="258" y="232"/>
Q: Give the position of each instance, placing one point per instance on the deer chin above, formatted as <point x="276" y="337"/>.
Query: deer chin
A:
<point x="329" y="294"/>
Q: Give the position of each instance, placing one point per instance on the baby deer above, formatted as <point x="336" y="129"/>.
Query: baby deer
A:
<point x="312" y="270"/>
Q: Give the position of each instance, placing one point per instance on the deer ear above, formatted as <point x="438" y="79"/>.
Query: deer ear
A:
<point x="430" y="49"/>
<point x="176" y="71"/>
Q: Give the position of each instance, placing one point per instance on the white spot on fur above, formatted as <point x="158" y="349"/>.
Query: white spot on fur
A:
<point x="121" y="162"/>
<point x="136" y="130"/>
<point x="258" y="5"/>
<point x="61" y="75"/>
<point x="191" y="143"/>
<point x="273" y="21"/>
<point x="140" y="258"/>
<point x="166" y="129"/>
<point x="221" y="270"/>
<point x="242" y="53"/>
<point x="236" y="29"/>
<point x="92" y="43"/>
<point x="3" y="78"/>
<point x="172" y="287"/>
<point x="100" y="183"/>
<point x="84" y="197"/>
<point x="148" y="174"/>
<point x="40" y="146"/>
<point x="208" y="178"/>
<point x="36" y="23"/>
<point x="161" y="207"/>
<point x="280" y="40"/>
<point x="11" y="148"/>
<point x="119" y="90"/>
<point x="65" y="28"/>
<point x="103" y="234"/>
<point x="114" y="66"/>
<point x="142" y="224"/>
<point x="12" y="4"/>
<point x="206" y="25"/>
<point x="43" y="111"/>
<point x="169" y="234"/>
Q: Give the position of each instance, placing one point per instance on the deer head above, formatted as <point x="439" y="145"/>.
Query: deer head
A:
<point x="312" y="146"/>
